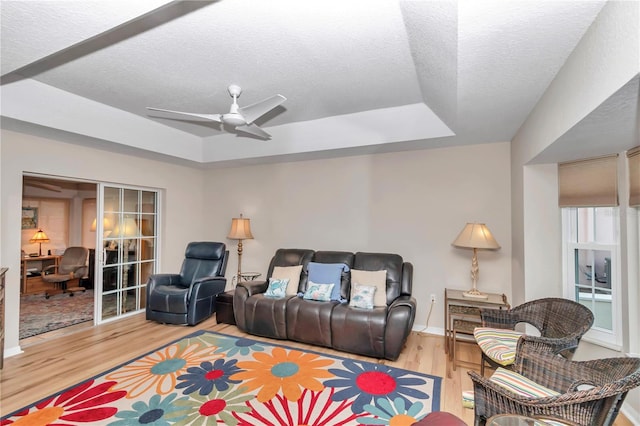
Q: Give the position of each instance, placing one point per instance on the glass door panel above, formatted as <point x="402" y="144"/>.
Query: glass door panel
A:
<point x="128" y="249"/>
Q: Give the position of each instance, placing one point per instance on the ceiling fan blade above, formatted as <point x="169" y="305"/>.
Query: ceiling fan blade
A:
<point x="254" y="111"/>
<point x="42" y="185"/>
<point x="253" y="130"/>
<point x="210" y="117"/>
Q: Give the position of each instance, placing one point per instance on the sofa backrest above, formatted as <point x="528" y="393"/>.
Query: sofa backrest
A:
<point x="292" y="257"/>
<point x="392" y="263"/>
<point x="345" y="257"/>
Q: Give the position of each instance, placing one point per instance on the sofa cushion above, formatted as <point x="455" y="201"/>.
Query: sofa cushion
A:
<point x="327" y="273"/>
<point x="292" y="273"/>
<point x="277" y="287"/>
<point x="378" y="279"/>
<point x="318" y="291"/>
<point x="362" y="296"/>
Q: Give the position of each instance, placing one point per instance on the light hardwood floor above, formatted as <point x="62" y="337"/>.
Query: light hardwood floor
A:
<point x="71" y="355"/>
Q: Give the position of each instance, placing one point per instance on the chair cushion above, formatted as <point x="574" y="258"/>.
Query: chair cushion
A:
<point x="514" y="382"/>
<point x="519" y="384"/>
<point x="498" y="344"/>
<point x="467" y="399"/>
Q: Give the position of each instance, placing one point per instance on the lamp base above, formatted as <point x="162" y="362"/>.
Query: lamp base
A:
<point x="475" y="294"/>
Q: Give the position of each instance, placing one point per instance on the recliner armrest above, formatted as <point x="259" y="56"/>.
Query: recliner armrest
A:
<point x="206" y="287"/>
<point x="163" y="279"/>
<point x="211" y="278"/>
<point x="254" y="287"/>
<point x="409" y="301"/>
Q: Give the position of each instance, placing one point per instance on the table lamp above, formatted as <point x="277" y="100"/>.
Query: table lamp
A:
<point x="475" y="236"/>
<point x="39" y="237"/>
<point x="240" y="230"/>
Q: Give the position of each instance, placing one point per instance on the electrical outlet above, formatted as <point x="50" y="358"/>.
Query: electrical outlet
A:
<point x="433" y="298"/>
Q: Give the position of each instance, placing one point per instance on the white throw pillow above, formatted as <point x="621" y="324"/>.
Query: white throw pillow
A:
<point x="292" y="273"/>
<point x="378" y="279"/>
<point x="362" y="296"/>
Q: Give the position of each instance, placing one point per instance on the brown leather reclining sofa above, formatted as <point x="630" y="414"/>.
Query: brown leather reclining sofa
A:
<point x="380" y="332"/>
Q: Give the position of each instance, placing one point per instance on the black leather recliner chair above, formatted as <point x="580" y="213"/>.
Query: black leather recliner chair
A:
<point x="189" y="297"/>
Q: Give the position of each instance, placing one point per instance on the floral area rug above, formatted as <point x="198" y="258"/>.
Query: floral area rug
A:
<point x="39" y="315"/>
<point x="210" y="378"/>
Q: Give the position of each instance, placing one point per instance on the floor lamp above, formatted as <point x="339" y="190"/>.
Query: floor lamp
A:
<point x="475" y="236"/>
<point x="240" y="230"/>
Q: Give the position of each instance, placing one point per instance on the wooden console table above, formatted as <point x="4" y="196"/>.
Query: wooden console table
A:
<point x="462" y="315"/>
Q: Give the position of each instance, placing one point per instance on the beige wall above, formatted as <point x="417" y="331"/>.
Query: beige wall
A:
<point x="605" y="60"/>
<point x="182" y="189"/>
<point x="411" y="203"/>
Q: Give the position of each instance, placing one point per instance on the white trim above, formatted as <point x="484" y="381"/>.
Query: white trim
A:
<point x="632" y="415"/>
<point x="16" y="350"/>
<point x="439" y="331"/>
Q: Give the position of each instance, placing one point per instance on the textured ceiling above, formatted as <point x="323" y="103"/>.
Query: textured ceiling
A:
<point x="363" y="76"/>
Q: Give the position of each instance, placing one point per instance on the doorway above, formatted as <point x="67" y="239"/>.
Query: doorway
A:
<point x="122" y="250"/>
<point x="55" y="217"/>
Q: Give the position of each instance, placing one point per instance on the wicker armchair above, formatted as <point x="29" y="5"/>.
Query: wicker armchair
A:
<point x="591" y="392"/>
<point x="561" y="323"/>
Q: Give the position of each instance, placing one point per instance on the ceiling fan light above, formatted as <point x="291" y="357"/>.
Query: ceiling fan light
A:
<point x="233" y="119"/>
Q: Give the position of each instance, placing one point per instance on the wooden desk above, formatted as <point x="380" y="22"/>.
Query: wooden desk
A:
<point x="462" y="315"/>
<point x="24" y="265"/>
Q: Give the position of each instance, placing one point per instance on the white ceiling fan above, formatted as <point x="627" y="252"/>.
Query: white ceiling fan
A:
<point x="42" y="185"/>
<point x="240" y="118"/>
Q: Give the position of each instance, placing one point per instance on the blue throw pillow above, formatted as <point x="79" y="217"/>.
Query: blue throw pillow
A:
<point x="321" y="292"/>
<point x="327" y="273"/>
<point x="277" y="288"/>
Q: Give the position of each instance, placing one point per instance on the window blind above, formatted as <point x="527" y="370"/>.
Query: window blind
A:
<point x="633" y="156"/>
<point x="591" y="182"/>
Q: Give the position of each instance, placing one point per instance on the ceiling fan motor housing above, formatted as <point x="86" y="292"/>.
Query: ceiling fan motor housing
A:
<point x="233" y="118"/>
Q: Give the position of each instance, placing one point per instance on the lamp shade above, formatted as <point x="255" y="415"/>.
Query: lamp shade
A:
<point x="39" y="237"/>
<point x="106" y="224"/>
<point x="476" y="235"/>
<point x="240" y="229"/>
<point x="126" y="229"/>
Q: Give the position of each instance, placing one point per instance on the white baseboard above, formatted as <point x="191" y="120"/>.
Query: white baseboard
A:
<point x="631" y="414"/>
<point x="8" y="352"/>
<point x="429" y="330"/>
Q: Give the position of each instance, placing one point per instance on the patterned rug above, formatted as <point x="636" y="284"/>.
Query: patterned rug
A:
<point x="210" y="378"/>
<point x="39" y="315"/>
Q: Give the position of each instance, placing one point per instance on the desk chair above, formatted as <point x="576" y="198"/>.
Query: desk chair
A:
<point x="72" y="266"/>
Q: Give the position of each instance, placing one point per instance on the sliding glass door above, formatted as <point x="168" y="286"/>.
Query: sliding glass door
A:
<point x="126" y="249"/>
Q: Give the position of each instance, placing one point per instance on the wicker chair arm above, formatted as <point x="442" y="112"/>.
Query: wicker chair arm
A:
<point x="548" y="344"/>
<point x="579" y="407"/>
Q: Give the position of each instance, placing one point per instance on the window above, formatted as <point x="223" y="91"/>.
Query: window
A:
<point x="591" y="265"/>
